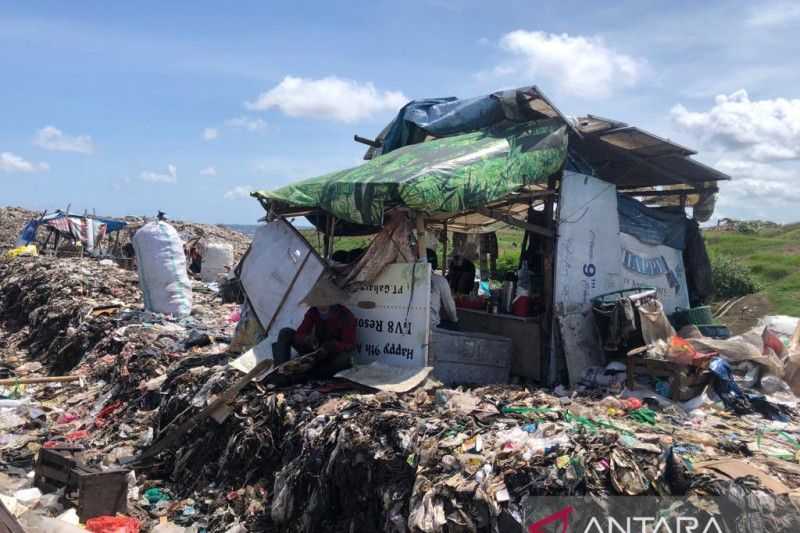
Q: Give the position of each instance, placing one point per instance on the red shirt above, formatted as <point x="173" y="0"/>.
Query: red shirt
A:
<point x="339" y="326"/>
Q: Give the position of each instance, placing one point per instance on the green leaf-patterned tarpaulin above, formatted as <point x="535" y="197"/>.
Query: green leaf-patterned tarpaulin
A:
<point x="448" y="175"/>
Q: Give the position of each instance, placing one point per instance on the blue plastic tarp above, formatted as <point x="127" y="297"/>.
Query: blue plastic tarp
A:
<point x="651" y="225"/>
<point x="112" y="225"/>
<point x="28" y="234"/>
<point x="442" y="117"/>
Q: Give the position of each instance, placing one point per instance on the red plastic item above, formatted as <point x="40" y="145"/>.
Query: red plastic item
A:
<point x="112" y="524"/>
<point x="470" y="302"/>
<point x="633" y="403"/>
<point x="107" y="411"/>
<point x="521" y="306"/>
<point x="76" y="435"/>
<point x="66" y="418"/>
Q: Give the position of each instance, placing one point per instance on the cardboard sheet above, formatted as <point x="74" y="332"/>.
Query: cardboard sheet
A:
<point x="735" y="468"/>
<point x="386" y="378"/>
<point x="249" y="359"/>
<point x="581" y="346"/>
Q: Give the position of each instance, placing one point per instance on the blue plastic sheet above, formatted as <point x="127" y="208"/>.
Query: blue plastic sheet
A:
<point x="442" y="117"/>
<point x="650" y="225"/>
<point x="28" y="234"/>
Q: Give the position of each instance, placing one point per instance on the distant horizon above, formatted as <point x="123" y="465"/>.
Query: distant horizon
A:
<point x="302" y="222"/>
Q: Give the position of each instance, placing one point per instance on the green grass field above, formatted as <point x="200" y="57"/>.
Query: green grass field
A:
<point x="773" y="255"/>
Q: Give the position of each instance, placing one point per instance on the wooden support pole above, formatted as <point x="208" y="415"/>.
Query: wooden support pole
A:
<point x="548" y="292"/>
<point x="330" y="230"/>
<point x="444" y="249"/>
<point x="420" y="219"/>
<point x="523" y="251"/>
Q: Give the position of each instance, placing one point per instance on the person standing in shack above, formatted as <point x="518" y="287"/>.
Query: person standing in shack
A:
<point x="328" y="328"/>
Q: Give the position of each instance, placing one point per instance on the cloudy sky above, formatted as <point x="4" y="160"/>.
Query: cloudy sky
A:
<point x="132" y="107"/>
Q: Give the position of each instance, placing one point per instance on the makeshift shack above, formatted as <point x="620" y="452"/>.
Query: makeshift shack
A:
<point x="602" y="204"/>
<point x="70" y="232"/>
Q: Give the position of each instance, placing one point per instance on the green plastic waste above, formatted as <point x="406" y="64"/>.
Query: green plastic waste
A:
<point x="529" y="412"/>
<point x="644" y="415"/>
<point x="155" y="495"/>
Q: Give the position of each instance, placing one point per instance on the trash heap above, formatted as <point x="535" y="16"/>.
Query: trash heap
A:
<point x="12" y="220"/>
<point x="59" y="309"/>
<point x="336" y="456"/>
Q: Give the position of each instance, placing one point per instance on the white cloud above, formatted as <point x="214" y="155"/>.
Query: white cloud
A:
<point x="759" y="185"/>
<point x="209" y="134"/>
<point x="52" y="138"/>
<point x="775" y="14"/>
<point x="329" y="98"/>
<point x="583" y="66"/>
<point x="765" y="130"/>
<point x="209" y="171"/>
<point x="247" y="123"/>
<point x="239" y="192"/>
<point x="171" y="176"/>
<point x="13" y="163"/>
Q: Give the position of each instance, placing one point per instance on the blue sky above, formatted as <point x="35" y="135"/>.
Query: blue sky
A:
<point x="131" y="107"/>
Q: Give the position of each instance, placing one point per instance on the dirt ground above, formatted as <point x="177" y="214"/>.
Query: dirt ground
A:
<point x="744" y="315"/>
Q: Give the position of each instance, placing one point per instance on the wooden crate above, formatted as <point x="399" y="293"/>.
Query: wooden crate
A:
<point x="93" y="492"/>
<point x="685" y="382"/>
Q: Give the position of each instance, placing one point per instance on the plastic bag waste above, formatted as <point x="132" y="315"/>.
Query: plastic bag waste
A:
<point x="34" y="522"/>
<point x="28" y="250"/>
<point x="113" y="524"/>
<point x="162" y="269"/>
<point x="772" y="384"/>
<point x="655" y="324"/>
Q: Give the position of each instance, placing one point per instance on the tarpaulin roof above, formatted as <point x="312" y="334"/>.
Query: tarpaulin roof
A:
<point x="453" y="176"/>
<point x="611" y="150"/>
<point x="419" y="120"/>
<point x="446" y="176"/>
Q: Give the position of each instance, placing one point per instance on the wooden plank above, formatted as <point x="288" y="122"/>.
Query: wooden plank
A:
<point x="8" y="522"/>
<point x="421" y="252"/>
<point x="32" y="381"/>
<point x="511" y="221"/>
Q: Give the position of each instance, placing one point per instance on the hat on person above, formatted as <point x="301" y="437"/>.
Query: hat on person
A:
<point x="325" y="293"/>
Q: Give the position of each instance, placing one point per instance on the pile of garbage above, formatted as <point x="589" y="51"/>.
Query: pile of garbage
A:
<point x="57" y="310"/>
<point x="337" y="456"/>
<point x="12" y="220"/>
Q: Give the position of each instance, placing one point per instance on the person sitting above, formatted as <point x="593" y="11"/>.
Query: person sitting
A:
<point x="195" y="260"/>
<point x="328" y="328"/>
<point x="461" y="275"/>
<point x="443" y="307"/>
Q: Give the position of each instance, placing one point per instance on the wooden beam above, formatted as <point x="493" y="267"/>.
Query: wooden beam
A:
<point x="368" y="142"/>
<point x="668" y="192"/>
<point x="511" y="221"/>
<point x="548" y="290"/>
<point x="420" y="219"/>
<point x="35" y="380"/>
<point x="444" y="246"/>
